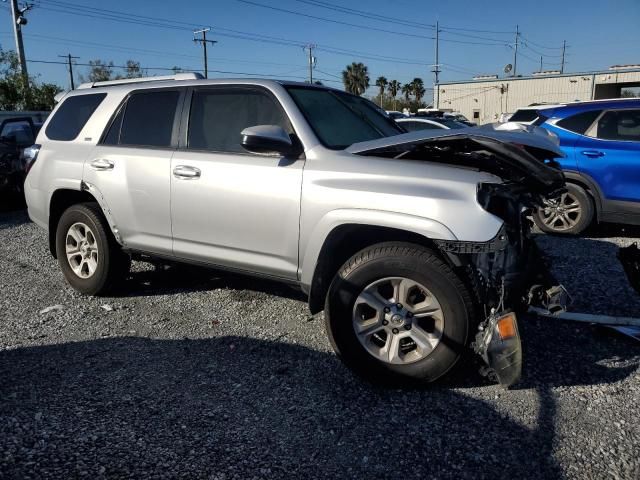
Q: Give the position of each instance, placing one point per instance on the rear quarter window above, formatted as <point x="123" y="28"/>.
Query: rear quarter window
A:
<point x="524" y="116"/>
<point x="72" y="116"/>
<point x="580" y="122"/>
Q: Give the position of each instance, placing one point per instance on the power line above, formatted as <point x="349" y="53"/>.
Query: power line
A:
<point x="366" y="27"/>
<point x="235" y="34"/>
<point x="331" y="20"/>
<point x="69" y="58"/>
<point x="204" y="42"/>
<point x="225" y="72"/>
<point x="363" y="14"/>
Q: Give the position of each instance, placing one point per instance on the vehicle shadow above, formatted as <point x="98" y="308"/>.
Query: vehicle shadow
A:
<point x="165" y="279"/>
<point x="226" y="407"/>
<point x="11" y="202"/>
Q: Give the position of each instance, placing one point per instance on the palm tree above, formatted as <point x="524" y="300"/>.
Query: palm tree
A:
<point x="407" y="90"/>
<point x="356" y="78"/>
<point x="417" y="88"/>
<point x="381" y="83"/>
<point x="394" y="88"/>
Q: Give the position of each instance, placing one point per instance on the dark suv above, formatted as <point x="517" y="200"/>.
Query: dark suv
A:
<point x="16" y="134"/>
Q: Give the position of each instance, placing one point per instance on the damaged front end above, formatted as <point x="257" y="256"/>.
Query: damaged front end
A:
<point x="507" y="273"/>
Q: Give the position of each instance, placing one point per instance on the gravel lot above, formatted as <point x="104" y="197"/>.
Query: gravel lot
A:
<point x="198" y="375"/>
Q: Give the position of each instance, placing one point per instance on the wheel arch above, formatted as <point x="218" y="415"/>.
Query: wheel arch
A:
<point x="60" y="200"/>
<point x="63" y="198"/>
<point x="344" y="241"/>
<point x="589" y="185"/>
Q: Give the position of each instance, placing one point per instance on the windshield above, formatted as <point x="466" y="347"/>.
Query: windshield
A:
<point x="340" y="119"/>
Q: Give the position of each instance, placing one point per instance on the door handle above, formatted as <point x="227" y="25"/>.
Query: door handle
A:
<point x="102" y="164"/>
<point x="186" y="172"/>
<point x="592" y="153"/>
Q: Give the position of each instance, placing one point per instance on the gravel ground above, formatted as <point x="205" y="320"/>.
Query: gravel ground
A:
<point x="191" y="374"/>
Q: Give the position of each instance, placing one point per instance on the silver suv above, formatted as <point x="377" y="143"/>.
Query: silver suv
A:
<point x="415" y="245"/>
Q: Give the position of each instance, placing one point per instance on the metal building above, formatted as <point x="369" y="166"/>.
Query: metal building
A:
<point x="484" y="99"/>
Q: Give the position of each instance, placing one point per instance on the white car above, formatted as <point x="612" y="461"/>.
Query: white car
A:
<point x="436" y="123"/>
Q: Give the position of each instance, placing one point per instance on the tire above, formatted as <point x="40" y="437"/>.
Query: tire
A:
<point x="111" y="264"/>
<point x="574" y="219"/>
<point x="372" y="267"/>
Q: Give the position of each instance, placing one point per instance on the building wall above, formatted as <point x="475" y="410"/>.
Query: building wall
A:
<point x="490" y="98"/>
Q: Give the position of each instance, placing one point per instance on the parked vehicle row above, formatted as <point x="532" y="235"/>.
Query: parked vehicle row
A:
<point x="412" y="255"/>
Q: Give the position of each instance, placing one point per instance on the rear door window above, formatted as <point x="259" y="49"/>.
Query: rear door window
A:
<point x="72" y="116"/>
<point x="580" y="122"/>
<point x="219" y="115"/>
<point x="146" y="120"/>
<point x="623" y="125"/>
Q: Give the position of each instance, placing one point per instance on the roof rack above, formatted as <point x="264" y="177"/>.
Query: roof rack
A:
<point x="125" y="81"/>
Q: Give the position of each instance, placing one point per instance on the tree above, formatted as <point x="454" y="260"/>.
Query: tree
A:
<point x="42" y="96"/>
<point x="381" y="83"/>
<point x="394" y="88"/>
<point x="99" y="71"/>
<point x="12" y="92"/>
<point x="132" y="69"/>
<point x="417" y="88"/>
<point x="407" y="90"/>
<point x="356" y="78"/>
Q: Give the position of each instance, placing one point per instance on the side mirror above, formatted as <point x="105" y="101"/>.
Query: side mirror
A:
<point x="269" y="139"/>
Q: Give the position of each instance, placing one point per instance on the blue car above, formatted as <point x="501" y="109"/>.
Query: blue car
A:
<point x="601" y="140"/>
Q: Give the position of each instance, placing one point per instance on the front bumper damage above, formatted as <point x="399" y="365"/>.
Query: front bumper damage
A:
<point x="507" y="275"/>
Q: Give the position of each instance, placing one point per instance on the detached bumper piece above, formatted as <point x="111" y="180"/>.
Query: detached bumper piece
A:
<point x="498" y="343"/>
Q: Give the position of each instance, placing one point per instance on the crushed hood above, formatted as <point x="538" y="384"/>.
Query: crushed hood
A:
<point x="523" y="156"/>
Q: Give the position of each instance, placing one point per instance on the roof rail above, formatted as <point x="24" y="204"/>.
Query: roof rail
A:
<point x="125" y="81"/>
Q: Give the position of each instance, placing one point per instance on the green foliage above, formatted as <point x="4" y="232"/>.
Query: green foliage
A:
<point x="356" y="78"/>
<point x="38" y="96"/>
<point x="413" y="89"/>
<point x="102" y="71"/>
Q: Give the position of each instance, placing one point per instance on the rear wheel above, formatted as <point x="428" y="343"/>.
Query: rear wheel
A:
<point x="91" y="260"/>
<point x="570" y="213"/>
<point x="395" y="312"/>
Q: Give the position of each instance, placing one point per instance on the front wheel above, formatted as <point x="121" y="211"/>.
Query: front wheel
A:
<point x="570" y="213"/>
<point x="395" y="312"/>
<point x="90" y="258"/>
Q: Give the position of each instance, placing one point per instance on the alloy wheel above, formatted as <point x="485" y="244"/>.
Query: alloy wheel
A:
<point x="82" y="250"/>
<point x="561" y="213"/>
<point x="398" y="320"/>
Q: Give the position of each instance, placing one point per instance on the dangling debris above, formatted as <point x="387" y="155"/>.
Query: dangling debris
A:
<point x="630" y="259"/>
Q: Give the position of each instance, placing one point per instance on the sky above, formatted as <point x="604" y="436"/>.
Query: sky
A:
<point x="394" y="38"/>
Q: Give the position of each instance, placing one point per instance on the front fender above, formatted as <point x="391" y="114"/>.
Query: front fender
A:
<point x="309" y="254"/>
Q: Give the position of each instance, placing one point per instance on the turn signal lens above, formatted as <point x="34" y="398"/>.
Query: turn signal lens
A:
<point x="507" y="326"/>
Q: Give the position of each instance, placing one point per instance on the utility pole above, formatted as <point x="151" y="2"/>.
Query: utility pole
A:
<point x="515" y="52"/>
<point x="312" y="60"/>
<point x="69" y="57"/>
<point x="18" y="22"/>
<point x="436" y="68"/>
<point x="564" y="47"/>
<point x="204" y="42"/>
<point x="540" y="64"/>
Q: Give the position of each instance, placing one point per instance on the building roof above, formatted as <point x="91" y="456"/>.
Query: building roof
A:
<point x="542" y="76"/>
